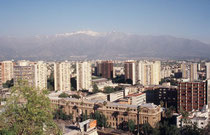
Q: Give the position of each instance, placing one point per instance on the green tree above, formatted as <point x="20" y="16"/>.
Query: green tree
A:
<point x="131" y="125"/>
<point x="75" y="96"/>
<point x="95" y="88"/>
<point x="147" y="129"/>
<point x="101" y="119"/>
<point x="50" y="82"/>
<point x="63" y="95"/>
<point x="115" y="115"/>
<point x="27" y="112"/>
<point x="59" y="114"/>
<point x="108" y="89"/>
<point x="8" y="84"/>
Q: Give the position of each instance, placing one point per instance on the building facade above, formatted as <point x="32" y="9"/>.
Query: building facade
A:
<point x="165" y="94"/>
<point x="149" y="113"/>
<point x="193" y="72"/>
<point x="25" y="71"/>
<point x="207" y="70"/>
<point x="191" y="95"/>
<point x="40" y="71"/>
<point x="7" y="71"/>
<point x="106" y="69"/>
<point x="84" y="75"/>
<point x="148" y="73"/>
<point x="62" y="76"/>
<point x="130" y="71"/>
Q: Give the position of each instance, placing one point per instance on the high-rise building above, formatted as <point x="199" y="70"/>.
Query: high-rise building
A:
<point x="208" y="94"/>
<point x="130" y="71"/>
<point x="0" y="77"/>
<point x="148" y="73"/>
<point x="23" y="70"/>
<point x="193" y="72"/>
<point x="165" y="94"/>
<point x="184" y="70"/>
<point x="98" y="70"/>
<point x="207" y="70"/>
<point x="191" y="95"/>
<point x="6" y="71"/>
<point x="84" y="75"/>
<point x="40" y="75"/>
<point x="62" y="76"/>
<point x="106" y="69"/>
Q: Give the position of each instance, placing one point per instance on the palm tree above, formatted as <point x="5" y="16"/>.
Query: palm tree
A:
<point x="128" y="110"/>
<point x="76" y="109"/>
<point x="115" y="114"/>
<point x="138" y="119"/>
<point x="95" y="107"/>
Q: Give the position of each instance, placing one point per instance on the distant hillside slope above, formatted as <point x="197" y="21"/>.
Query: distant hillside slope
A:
<point x="101" y="45"/>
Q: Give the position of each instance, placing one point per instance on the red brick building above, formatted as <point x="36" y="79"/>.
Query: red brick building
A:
<point x="191" y="95"/>
<point x="105" y="69"/>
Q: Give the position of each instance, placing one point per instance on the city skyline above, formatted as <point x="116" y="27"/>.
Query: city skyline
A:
<point x="186" y="19"/>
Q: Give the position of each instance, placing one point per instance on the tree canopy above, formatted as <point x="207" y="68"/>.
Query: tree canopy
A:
<point x="27" y="112"/>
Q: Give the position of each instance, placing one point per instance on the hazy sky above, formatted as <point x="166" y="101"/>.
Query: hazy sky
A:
<point x="181" y="18"/>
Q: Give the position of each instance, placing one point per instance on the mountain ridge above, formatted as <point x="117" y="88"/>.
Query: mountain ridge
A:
<point x="94" y="45"/>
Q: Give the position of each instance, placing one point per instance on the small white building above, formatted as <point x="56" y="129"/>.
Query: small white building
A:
<point x="137" y="98"/>
<point x="116" y="95"/>
<point x="199" y="118"/>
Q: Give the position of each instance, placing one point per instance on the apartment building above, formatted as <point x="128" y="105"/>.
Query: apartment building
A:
<point x="62" y="76"/>
<point x="149" y="113"/>
<point x="6" y="70"/>
<point x="148" y="73"/>
<point x="106" y="69"/>
<point x="24" y="70"/>
<point x="40" y="71"/>
<point x="0" y="77"/>
<point x="193" y="72"/>
<point x="84" y="75"/>
<point x="207" y="70"/>
<point x="165" y="94"/>
<point x="130" y="71"/>
<point x="191" y="95"/>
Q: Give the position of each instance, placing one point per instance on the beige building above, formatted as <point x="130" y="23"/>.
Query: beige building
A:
<point x="6" y="71"/>
<point x="149" y="113"/>
<point x="23" y="70"/>
<point x="193" y="72"/>
<point x="62" y="76"/>
<point x="40" y="75"/>
<point x="207" y="70"/>
<point x="0" y="77"/>
<point x="148" y="73"/>
<point x="84" y="75"/>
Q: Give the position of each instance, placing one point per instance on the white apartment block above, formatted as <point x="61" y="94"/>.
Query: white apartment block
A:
<point x="137" y="98"/>
<point x="84" y="75"/>
<point x="62" y="76"/>
<point x="207" y="70"/>
<point x="6" y="70"/>
<point x="0" y="77"/>
<point x="115" y="95"/>
<point x="166" y="71"/>
<point x="40" y="75"/>
<point x="148" y="73"/>
<point x="193" y="72"/>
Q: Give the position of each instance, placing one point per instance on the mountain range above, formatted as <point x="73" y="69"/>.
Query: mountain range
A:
<point x="95" y="45"/>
